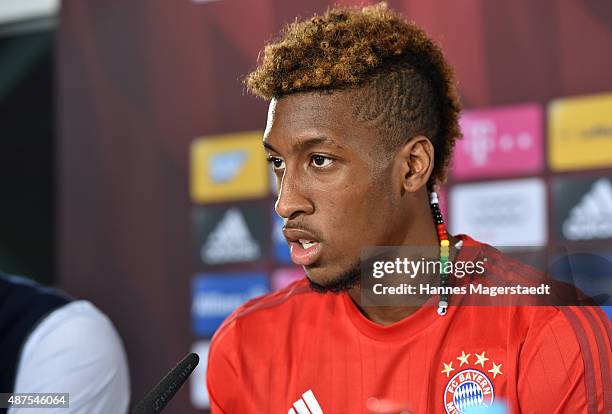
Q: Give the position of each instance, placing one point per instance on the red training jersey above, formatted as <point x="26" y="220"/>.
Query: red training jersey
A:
<point x="297" y="351"/>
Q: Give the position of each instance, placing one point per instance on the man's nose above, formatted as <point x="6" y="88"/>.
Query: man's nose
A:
<point x="292" y="201"/>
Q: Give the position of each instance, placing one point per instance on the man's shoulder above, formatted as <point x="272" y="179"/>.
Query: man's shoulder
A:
<point x="569" y="347"/>
<point x="80" y="319"/>
<point x="74" y="345"/>
<point x="501" y="262"/>
<point x="562" y="313"/>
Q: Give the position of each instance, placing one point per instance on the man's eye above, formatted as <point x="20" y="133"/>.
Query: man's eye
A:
<point x="277" y="163"/>
<point x="321" y="161"/>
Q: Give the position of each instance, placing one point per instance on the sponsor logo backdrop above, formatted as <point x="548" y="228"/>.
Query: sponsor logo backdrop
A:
<point x="583" y="208"/>
<point x="235" y="233"/>
<point x="500" y="142"/>
<point x="217" y="295"/>
<point x="580" y="132"/>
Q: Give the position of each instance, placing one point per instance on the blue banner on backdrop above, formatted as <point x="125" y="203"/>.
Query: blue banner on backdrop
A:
<point x="217" y="295"/>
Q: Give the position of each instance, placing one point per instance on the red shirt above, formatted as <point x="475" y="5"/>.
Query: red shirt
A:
<point x="297" y="351"/>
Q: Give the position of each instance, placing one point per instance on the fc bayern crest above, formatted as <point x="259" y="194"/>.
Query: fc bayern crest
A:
<point x="466" y="389"/>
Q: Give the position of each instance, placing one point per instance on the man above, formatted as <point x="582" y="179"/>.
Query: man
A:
<point x="50" y="343"/>
<point x="362" y="120"/>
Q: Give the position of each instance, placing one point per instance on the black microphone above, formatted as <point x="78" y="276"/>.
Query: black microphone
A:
<point x="162" y="393"/>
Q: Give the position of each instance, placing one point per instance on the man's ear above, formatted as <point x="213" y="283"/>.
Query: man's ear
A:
<point x="416" y="161"/>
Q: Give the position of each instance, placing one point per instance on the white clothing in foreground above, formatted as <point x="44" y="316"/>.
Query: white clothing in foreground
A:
<point x="75" y="349"/>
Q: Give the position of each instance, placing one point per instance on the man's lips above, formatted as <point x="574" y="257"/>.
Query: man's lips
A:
<point x="305" y="248"/>
<point x="305" y="256"/>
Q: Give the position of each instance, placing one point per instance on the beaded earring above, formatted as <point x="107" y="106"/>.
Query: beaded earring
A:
<point x="444" y="251"/>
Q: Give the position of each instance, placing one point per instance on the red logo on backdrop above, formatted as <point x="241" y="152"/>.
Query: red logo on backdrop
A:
<point x="499" y="141"/>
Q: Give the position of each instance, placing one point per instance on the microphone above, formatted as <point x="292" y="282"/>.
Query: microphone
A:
<point x="162" y="393"/>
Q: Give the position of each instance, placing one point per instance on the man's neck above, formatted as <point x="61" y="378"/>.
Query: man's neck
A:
<point x="387" y="315"/>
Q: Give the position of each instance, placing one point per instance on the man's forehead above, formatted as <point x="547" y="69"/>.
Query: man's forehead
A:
<point x="303" y="111"/>
<point x="307" y="141"/>
<point x="314" y="102"/>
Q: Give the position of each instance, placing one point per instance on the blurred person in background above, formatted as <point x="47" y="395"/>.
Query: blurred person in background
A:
<point x="52" y="343"/>
<point x="362" y="120"/>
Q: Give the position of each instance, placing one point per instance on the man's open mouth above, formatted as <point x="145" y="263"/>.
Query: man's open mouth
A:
<point x="306" y="244"/>
<point x="305" y="249"/>
<point x="305" y="252"/>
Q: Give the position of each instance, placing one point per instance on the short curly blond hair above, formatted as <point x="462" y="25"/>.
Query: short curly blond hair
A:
<point x="402" y="82"/>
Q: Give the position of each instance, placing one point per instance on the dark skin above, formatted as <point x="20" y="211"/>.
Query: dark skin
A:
<point x="336" y="181"/>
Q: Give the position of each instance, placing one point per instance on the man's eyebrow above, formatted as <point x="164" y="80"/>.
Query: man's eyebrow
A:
<point x="268" y="146"/>
<point x="307" y="143"/>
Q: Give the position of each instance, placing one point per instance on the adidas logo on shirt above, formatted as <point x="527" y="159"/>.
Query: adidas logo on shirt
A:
<point x="230" y="241"/>
<point x="591" y="218"/>
<point x="308" y="404"/>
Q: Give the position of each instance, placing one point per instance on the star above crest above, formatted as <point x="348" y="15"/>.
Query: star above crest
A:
<point x="463" y="358"/>
<point x="448" y="368"/>
<point x="481" y="359"/>
<point x="495" y="370"/>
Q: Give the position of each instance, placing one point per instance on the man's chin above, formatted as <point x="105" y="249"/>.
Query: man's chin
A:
<point x="335" y="284"/>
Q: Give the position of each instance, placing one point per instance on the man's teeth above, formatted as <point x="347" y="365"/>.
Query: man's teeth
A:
<point x="306" y="244"/>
